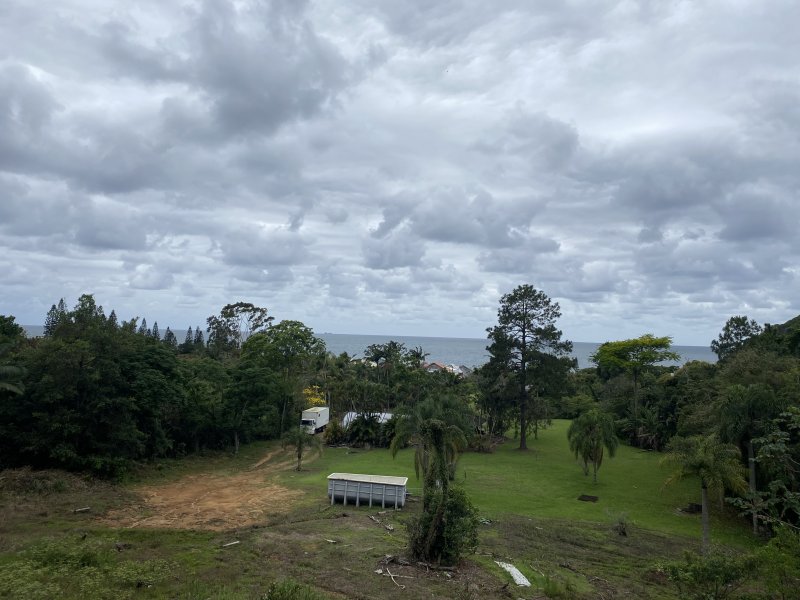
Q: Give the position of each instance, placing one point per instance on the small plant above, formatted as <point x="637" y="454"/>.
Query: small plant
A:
<point x="714" y="576"/>
<point x="620" y="523"/>
<point x="334" y="434"/>
<point x="291" y="590"/>
<point x="553" y="588"/>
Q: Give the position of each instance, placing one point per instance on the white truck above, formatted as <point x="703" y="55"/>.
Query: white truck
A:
<point x="315" y="419"/>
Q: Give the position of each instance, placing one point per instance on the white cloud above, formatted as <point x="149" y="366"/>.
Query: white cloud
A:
<point x="374" y="164"/>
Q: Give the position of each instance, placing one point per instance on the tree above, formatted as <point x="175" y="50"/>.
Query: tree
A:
<point x="170" y="340"/>
<point x="779" y="456"/>
<point x="299" y="439"/>
<point x="715" y="463"/>
<point x="198" y="343"/>
<point x="410" y="425"/>
<point x="288" y="349"/>
<point x="54" y="316"/>
<point x="744" y="414"/>
<point x="95" y="398"/>
<point x="10" y="375"/>
<point x="155" y="332"/>
<point x="588" y="435"/>
<point x="234" y="325"/>
<point x="525" y="330"/>
<point x="447" y="526"/>
<point x="735" y="334"/>
<point x="633" y="357"/>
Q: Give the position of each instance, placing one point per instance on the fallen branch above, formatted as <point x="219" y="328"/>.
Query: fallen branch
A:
<point x="389" y="559"/>
<point x="402" y="587"/>
<point x="84" y="509"/>
<point x="436" y="567"/>
<point x="388" y="573"/>
<point x="231" y="544"/>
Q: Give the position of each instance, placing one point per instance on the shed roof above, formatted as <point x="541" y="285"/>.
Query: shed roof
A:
<point x="385" y="479"/>
<point x="316" y="409"/>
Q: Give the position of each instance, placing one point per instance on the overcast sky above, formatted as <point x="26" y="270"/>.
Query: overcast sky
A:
<point x="394" y="167"/>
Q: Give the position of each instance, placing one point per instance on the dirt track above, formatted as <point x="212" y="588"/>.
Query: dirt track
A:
<point x="210" y="501"/>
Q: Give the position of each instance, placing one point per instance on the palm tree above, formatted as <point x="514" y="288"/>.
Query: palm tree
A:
<point x="589" y="435"/>
<point x="714" y="462"/>
<point x="410" y="425"/>
<point x="298" y="438"/>
<point x="10" y="375"/>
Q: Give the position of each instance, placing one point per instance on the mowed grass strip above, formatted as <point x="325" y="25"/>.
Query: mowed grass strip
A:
<point x="545" y="482"/>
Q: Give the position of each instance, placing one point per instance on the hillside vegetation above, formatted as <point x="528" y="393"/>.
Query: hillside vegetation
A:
<point x="702" y="458"/>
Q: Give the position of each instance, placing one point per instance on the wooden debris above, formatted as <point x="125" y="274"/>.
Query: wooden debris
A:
<point x="231" y="544"/>
<point x="436" y="567"/>
<point x="331" y="541"/>
<point x="84" y="509"/>
<point x="389" y="527"/>
<point x="388" y="573"/>
<point x="390" y="559"/>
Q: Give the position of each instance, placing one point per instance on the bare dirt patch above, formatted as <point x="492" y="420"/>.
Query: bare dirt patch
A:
<point x="210" y="501"/>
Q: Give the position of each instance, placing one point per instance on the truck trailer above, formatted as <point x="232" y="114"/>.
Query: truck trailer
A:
<point x="315" y="419"/>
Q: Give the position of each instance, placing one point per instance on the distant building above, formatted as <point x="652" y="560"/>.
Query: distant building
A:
<point x="437" y="367"/>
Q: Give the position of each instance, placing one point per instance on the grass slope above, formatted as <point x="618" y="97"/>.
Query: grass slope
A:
<point x="559" y="543"/>
<point x="545" y="482"/>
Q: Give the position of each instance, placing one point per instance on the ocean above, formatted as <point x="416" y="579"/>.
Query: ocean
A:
<point x="470" y="352"/>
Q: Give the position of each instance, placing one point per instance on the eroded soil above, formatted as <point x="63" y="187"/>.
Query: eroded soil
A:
<point x="211" y="501"/>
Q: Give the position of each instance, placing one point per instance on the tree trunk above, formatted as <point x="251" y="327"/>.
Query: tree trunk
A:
<point x="595" y="472"/>
<point x="523" y="408"/>
<point x="236" y="442"/>
<point x="705" y="520"/>
<point x="751" y="464"/>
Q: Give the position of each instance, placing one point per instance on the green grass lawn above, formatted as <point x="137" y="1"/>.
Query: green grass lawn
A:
<point x="48" y="550"/>
<point x="545" y="482"/>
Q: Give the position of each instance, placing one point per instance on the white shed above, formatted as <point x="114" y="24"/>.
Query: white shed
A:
<point x="355" y="488"/>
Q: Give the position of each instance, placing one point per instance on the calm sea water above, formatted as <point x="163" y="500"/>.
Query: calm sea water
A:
<point x="470" y="352"/>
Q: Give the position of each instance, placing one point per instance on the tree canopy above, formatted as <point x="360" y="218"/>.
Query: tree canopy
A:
<point x="523" y="343"/>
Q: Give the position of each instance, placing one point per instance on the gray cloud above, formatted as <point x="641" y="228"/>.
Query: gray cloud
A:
<point x="383" y="166"/>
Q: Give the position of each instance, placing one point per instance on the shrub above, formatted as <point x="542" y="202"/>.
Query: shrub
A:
<point x="447" y="531"/>
<point x="713" y="577"/>
<point x="334" y="434"/>
<point x="364" y="430"/>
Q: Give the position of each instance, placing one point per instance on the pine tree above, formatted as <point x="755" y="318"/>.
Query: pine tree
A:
<point x="170" y="340"/>
<point x="55" y="316"/>
<point x="156" y="333"/>
<point x="143" y="327"/>
<point x="112" y="319"/>
<point x="50" y="321"/>
<point x="188" y="342"/>
<point x="199" y="342"/>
